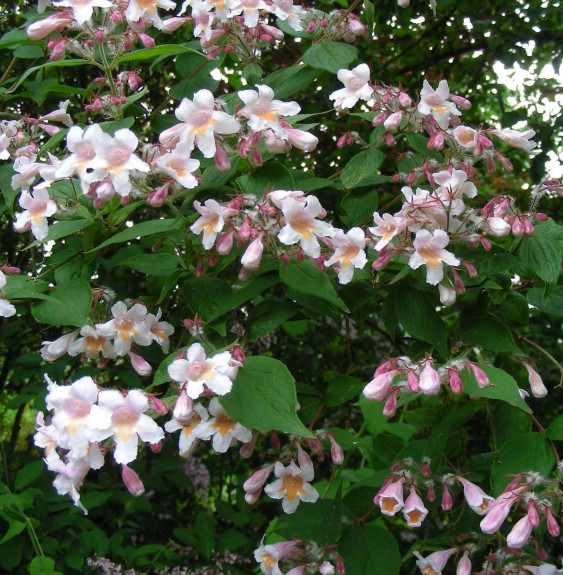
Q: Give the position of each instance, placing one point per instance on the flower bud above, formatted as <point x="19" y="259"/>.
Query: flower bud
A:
<point x="447" y="295"/>
<point x="405" y="100"/>
<point x="132" y="482"/>
<point x="429" y="382"/>
<point x="256" y="481"/>
<point x="446" y="498"/>
<point x="336" y="452"/>
<point x="141" y="366"/>
<point x="253" y="255"/>
<point x="535" y="381"/>
<point x="158" y="405"/>
<point x="393" y="121"/>
<point x="182" y="411"/>
<point x="498" y="227"/>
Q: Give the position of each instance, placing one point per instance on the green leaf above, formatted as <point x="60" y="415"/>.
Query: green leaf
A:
<point x="319" y="522"/>
<point x="155" y="264"/>
<point x="370" y="549"/>
<point x="515" y="307"/>
<point x="341" y="388"/>
<point x="551" y="304"/>
<point x="267" y="316"/>
<point x="288" y="81"/>
<point x="368" y="16"/>
<point x="65" y="228"/>
<point x="28" y="474"/>
<point x="188" y="86"/>
<point x="42" y="565"/>
<point x="205" y="527"/>
<point x="359" y="208"/>
<point x="28" y="51"/>
<point x="543" y="251"/>
<point x="206" y="296"/>
<point x="304" y="277"/>
<point x="417" y="316"/>
<point x="151" y="53"/>
<point x="503" y="387"/>
<point x="521" y="453"/>
<point x="263" y="397"/>
<point x="555" y="429"/>
<point x="74" y="299"/>
<point x="272" y="176"/>
<point x="141" y="230"/>
<point x="6" y="174"/>
<point x="15" y="528"/>
<point x="21" y="286"/>
<point x="361" y="168"/>
<point x="489" y="333"/>
<point x="331" y="56"/>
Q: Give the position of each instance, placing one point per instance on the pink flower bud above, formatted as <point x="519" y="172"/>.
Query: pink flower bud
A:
<point x="147" y="41"/>
<point x="156" y="447"/>
<point x="256" y="481"/>
<point x="132" y="482"/>
<point x="552" y="526"/>
<point x="157" y="197"/>
<point x="393" y="121"/>
<point x="446" y="498"/>
<point x="199" y="270"/>
<point x="404" y="100"/>
<point x="528" y="226"/>
<point x="470" y="269"/>
<point x="58" y="51"/>
<point x="182" y="411"/>
<point x="431" y="494"/>
<point x="303" y="458"/>
<point x="454" y="381"/>
<point x="403" y="3"/>
<point x="485" y="143"/>
<point x="275" y="441"/>
<point x="447" y="295"/>
<point x="517" y="227"/>
<point x="378" y="388"/>
<point x="253" y="255"/>
<point x="429" y="381"/>
<point x="224" y="243"/>
<point x="326" y="568"/>
<point x="252" y="497"/>
<point x="390" y="407"/>
<point x="476" y="498"/>
<point x="379" y="119"/>
<point x="535" y="381"/>
<point x="316" y="447"/>
<point x="256" y="157"/>
<point x="413" y="382"/>
<point x="382" y="261"/>
<point x="458" y="283"/>
<point x="141" y="366"/>
<point x="533" y="515"/>
<point x="460" y="101"/>
<point x="341" y="141"/>
<point x="311" y="27"/>
<point x="158" y="405"/>
<point x="389" y="140"/>
<point x="172" y="24"/>
<point x="541" y="217"/>
<point x="498" y="227"/>
<point x="340" y="565"/>
<point x="485" y="243"/>
<point x="464" y="565"/>
<point x="480" y="375"/>
<point x="244" y="232"/>
<point x="222" y="160"/>
<point x="519" y="534"/>
<point x="247" y="449"/>
<point x="336" y="452"/>
<point x="42" y="28"/>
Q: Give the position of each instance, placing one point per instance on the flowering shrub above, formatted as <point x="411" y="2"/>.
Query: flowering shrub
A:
<point x="345" y="301"/>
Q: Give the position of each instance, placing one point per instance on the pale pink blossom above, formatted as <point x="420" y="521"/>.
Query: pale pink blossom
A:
<point x="499" y="510"/>
<point x="391" y="498"/>
<point x="497" y="226"/>
<point x="129" y="422"/>
<point x="6" y="308"/>
<point x="429" y="381"/>
<point x="82" y="10"/>
<point x="414" y="510"/>
<point x="349" y="253"/>
<point x="126" y="327"/>
<point x="301" y="225"/>
<point x="249" y="9"/>
<point x="269" y="555"/>
<point x="378" y="388"/>
<point x="536" y="382"/>
<point x="520" y="533"/>
<point x="223" y="429"/>
<point x="37" y="208"/>
<point x="91" y="344"/>
<point x="200" y="122"/>
<point x="466" y="136"/>
<point x="191" y="428"/>
<point x="387" y="228"/>
<point x="146" y="10"/>
<point x="356" y="87"/>
<point x="292" y="486"/>
<point x="159" y="330"/>
<point x="211" y="222"/>
<point x="454" y="185"/>
<point x="287" y="10"/>
<point x="447" y="295"/>
<point x="178" y="165"/>
<point x="521" y="140"/>
<point x="464" y="565"/>
<point x="253" y="254"/>
<point x="476" y="498"/>
<point x="429" y="251"/>
<point x="435" y="562"/>
<point x="59" y="115"/>
<point x="42" y="28"/>
<point x="197" y="371"/>
<point x="263" y="111"/>
<point x="437" y="103"/>
<point x="69" y="477"/>
<point x="82" y="145"/>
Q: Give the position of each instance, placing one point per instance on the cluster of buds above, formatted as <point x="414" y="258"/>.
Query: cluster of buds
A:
<point x="114" y="338"/>
<point x="401" y="374"/>
<point x="300" y="557"/>
<point x="84" y="420"/>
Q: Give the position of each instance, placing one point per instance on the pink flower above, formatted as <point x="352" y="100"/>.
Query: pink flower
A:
<point x="37" y="208"/>
<point x="387" y="228"/>
<point x="476" y="498"/>
<point x="437" y="104"/>
<point x="356" y="87"/>
<point x="190" y="426"/>
<point x="293" y="13"/>
<point x="211" y="222"/>
<point x="434" y="563"/>
<point x="429" y="381"/>
<point x="378" y="388"/>
<point x="82" y="10"/>
<point x="520" y="533"/>
<point x="253" y="254"/>
<point x="391" y="498"/>
<point x="126" y="327"/>
<point x="349" y="253"/>
<point x="429" y="251"/>
<point x="178" y="164"/>
<point x="464" y="565"/>
<point x="292" y="486"/>
<point x="414" y="510"/>
<point x="521" y="140"/>
<point x="499" y="510"/>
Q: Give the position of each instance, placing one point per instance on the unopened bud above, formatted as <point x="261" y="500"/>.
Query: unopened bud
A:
<point x="336" y="452"/>
<point x="142" y="367"/>
<point x="132" y="482"/>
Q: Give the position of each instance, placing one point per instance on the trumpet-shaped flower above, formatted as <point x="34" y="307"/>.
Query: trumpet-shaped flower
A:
<point x="178" y="165"/>
<point x="429" y="251"/>
<point x="292" y="486"/>
<point x="37" y="208"/>
<point x="356" y="87"/>
<point x="211" y="222"/>
<point x="91" y="344"/>
<point x="437" y="103"/>
<point x="414" y="510"/>
<point x="126" y="327"/>
<point x="391" y="498"/>
<point x="349" y="253"/>
<point x="82" y="10"/>
<point x="190" y="428"/>
<point x="198" y="371"/>
<point x="387" y="228"/>
<point x="476" y="498"/>
<point x="434" y="563"/>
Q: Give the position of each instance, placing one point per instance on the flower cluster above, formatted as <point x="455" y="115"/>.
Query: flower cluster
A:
<point x="84" y="420"/>
<point x="114" y="338"/>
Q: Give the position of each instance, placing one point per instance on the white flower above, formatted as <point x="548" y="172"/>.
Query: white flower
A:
<point x="387" y="228"/>
<point x="302" y="226"/>
<point x="147" y="9"/>
<point x="128" y="326"/>
<point x="92" y="343"/>
<point x="292" y="486"/>
<point x="211" y="222"/>
<point x="6" y="308"/>
<point x="249" y="8"/>
<point x="198" y="371"/>
<point x="454" y="184"/>
<point x="263" y="111"/>
<point x="349" y="253"/>
<point x="129" y="423"/>
<point x="189" y="430"/>
<point x="222" y="428"/>
<point x="82" y="10"/>
<point x="436" y="103"/>
<point x="429" y="251"/>
<point x="287" y="10"/>
<point x="178" y="164"/>
<point x="356" y="87"/>
<point x="159" y="330"/>
<point x="38" y="207"/>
